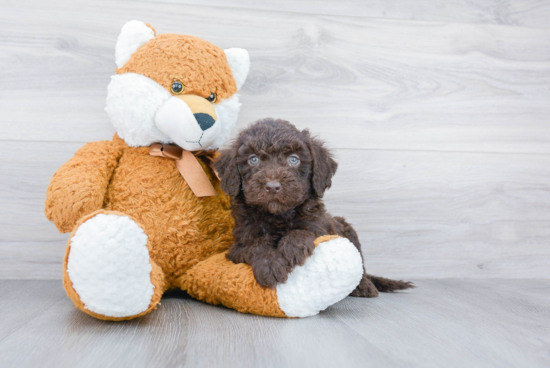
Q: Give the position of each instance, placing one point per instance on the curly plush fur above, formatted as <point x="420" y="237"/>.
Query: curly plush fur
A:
<point x="277" y="176"/>
<point x="200" y="70"/>
<point x="136" y="227"/>
<point x="182" y="228"/>
<point x="117" y="200"/>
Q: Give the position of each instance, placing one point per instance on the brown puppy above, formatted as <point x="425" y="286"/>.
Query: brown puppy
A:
<point x="277" y="176"/>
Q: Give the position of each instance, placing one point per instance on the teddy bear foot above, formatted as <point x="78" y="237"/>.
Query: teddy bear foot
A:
<point x="328" y="276"/>
<point x="108" y="271"/>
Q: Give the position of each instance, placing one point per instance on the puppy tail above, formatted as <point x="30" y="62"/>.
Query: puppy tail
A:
<point x="387" y="286"/>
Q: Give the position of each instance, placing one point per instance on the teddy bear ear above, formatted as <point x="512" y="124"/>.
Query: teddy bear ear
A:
<point x="132" y="36"/>
<point x="239" y="62"/>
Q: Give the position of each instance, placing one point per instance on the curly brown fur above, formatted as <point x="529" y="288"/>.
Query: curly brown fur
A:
<point x="277" y="203"/>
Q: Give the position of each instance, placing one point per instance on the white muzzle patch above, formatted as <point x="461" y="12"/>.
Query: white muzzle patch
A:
<point x="143" y="112"/>
<point x="176" y="120"/>
<point x="132" y="102"/>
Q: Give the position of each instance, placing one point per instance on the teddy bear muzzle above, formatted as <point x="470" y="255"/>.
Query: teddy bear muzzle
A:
<point x="188" y="120"/>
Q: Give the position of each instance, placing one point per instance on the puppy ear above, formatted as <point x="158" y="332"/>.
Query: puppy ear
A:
<point x="323" y="166"/>
<point x="226" y="166"/>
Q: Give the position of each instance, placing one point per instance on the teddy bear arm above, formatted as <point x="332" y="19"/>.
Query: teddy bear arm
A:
<point x="78" y="188"/>
<point x="328" y="275"/>
<point x="217" y="280"/>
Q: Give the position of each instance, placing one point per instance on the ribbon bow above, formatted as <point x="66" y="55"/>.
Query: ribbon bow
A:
<point x="188" y="166"/>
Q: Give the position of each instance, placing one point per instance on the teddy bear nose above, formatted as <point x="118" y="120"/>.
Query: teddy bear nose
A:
<point x="273" y="187"/>
<point x="205" y="121"/>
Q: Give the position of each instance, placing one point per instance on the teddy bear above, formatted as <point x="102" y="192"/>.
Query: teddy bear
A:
<point x="145" y="210"/>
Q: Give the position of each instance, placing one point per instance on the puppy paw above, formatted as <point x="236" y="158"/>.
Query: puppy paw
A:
<point x="236" y="254"/>
<point x="270" y="271"/>
<point x="297" y="247"/>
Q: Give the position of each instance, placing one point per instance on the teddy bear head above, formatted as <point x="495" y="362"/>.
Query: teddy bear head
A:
<point x="173" y="88"/>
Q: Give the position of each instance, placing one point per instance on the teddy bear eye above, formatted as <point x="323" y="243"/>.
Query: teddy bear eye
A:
<point x="253" y="160"/>
<point x="177" y="87"/>
<point x="293" y="160"/>
<point x="212" y="98"/>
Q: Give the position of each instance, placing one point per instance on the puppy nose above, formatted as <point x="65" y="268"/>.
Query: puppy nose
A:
<point x="205" y="121"/>
<point x="273" y="187"/>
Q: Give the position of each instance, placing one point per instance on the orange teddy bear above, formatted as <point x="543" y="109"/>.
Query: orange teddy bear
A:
<point x="145" y="210"/>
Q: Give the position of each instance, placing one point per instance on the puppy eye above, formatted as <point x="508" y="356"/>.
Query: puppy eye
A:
<point x="177" y="87"/>
<point x="212" y="98"/>
<point x="293" y="160"/>
<point x="253" y="160"/>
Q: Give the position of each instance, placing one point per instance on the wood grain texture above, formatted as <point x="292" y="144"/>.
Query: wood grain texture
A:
<point x="427" y="214"/>
<point x="532" y="13"/>
<point x="438" y="112"/>
<point x="387" y="84"/>
<point x="451" y="323"/>
<point x="418" y="214"/>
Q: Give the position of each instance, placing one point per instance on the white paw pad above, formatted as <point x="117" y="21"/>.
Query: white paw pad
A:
<point x="328" y="276"/>
<point x="109" y="266"/>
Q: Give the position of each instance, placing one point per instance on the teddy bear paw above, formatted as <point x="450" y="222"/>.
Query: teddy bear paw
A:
<point x="109" y="266"/>
<point x="328" y="276"/>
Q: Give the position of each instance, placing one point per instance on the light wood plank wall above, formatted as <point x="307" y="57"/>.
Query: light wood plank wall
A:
<point x="438" y="112"/>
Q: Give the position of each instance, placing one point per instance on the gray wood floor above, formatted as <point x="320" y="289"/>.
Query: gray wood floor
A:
<point x="443" y="323"/>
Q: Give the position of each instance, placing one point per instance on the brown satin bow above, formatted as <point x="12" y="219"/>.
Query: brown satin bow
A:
<point x="188" y="165"/>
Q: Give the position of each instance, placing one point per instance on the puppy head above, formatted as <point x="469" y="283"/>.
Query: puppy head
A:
<point x="276" y="166"/>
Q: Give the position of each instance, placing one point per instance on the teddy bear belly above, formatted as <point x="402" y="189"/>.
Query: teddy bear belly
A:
<point x="182" y="229"/>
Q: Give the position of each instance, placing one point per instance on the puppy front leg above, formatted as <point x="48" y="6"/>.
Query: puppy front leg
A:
<point x="269" y="267"/>
<point x="297" y="246"/>
<point x="239" y="253"/>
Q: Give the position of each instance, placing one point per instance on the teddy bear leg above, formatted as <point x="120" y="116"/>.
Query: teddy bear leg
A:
<point x="107" y="271"/>
<point x="328" y="276"/>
